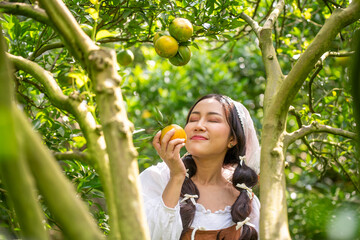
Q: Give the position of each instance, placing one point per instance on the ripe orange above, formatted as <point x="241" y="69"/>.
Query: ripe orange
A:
<point x="181" y="29"/>
<point x="159" y="34"/>
<point x="179" y="132"/>
<point x="182" y="57"/>
<point x="125" y="57"/>
<point x="166" y="46"/>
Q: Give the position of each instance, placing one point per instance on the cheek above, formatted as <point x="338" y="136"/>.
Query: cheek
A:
<point x="187" y="129"/>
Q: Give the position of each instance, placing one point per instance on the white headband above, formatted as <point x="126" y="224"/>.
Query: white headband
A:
<point x="252" y="155"/>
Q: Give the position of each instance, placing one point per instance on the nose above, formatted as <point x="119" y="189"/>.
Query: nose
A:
<point x="200" y="126"/>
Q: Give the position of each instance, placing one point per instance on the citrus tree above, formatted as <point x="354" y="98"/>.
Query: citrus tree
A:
<point x="281" y="59"/>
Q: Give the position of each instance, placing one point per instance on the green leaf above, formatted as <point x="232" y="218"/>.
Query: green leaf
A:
<point x="93" y="13"/>
<point x="103" y="34"/>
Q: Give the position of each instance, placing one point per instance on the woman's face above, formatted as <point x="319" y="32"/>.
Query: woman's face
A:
<point x="208" y="131"/>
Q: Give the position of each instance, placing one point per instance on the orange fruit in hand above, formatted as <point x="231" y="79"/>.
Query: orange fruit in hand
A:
<point x="179" y="132"/>
<point x="166" y="46"/>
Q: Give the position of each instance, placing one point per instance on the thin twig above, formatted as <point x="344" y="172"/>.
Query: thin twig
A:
<point x="55" y="60"/>
<point x="310" y="87"/>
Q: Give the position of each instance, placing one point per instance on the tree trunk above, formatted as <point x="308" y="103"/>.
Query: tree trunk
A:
<point x="13" y="168"/>
<point x="279" y="94"/>
<point x="118" y="136"/>
<point x="57" y="191"/>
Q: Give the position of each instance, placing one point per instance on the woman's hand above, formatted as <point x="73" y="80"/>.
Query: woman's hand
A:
<point x="169" y="151"/>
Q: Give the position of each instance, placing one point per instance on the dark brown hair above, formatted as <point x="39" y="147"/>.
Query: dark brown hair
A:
<point x="241" y="208"/>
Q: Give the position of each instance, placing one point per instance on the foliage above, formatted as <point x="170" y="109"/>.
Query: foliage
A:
<point x="322" y="168"/>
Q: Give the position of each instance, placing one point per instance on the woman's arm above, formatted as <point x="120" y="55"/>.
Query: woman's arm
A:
<point x="164" y="222"/>
<point x="169" y="151"/>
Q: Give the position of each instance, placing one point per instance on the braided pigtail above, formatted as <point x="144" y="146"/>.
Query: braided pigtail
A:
<point x="187" y="206"/>
<point x="244" y="179"/>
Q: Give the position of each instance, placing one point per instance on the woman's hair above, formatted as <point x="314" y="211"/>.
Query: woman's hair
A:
<point x="241" y="208"/>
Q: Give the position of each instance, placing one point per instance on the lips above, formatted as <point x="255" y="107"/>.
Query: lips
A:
<point x="198" y="137"/>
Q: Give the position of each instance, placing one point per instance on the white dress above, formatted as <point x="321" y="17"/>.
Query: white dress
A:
<point x="165" y="223"/>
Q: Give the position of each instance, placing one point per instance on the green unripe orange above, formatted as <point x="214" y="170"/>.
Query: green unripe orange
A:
<point x="182" y="57"/>
<point x="125" y="57"/>
<point x="181" y="29"/>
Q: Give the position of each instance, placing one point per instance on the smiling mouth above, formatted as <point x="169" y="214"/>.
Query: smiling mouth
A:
<point x="198" y="138"/>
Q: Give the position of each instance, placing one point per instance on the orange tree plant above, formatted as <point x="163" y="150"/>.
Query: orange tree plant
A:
<point x="66" y="69"/>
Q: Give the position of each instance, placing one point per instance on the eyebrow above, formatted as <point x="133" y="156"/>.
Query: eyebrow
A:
<point x="209" y="113"/>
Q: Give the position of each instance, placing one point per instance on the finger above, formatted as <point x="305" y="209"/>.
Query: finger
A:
<point x="174" y="143"/>
<point x="166" y="138"/>
<point x="178" y="148"/>
<point x="156" y="141"/>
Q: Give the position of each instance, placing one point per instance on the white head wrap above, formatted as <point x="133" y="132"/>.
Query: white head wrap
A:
<point x="252" y="154"/>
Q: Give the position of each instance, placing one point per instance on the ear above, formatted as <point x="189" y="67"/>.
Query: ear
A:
<point x="232" y="142"/>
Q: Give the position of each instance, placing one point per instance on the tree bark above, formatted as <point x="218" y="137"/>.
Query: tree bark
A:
<point x="101" y="65"/>
<point x="118" y="136"/>
<point x="94" y="136"/>
<point x="59" y="194"/>
<point x="279" y="94"/>
<point x="26" y="10"/>
<point x="13" y="168"/>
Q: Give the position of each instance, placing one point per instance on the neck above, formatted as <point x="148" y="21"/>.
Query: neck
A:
<point x="209" y="171"/>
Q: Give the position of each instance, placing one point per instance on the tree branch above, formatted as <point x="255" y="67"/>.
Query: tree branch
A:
<point x="94" y="137"/>
<point x="270" y="21"/>
<point x="274" y="75"/>
<point x="322" y="42"/>
<point x="305" y="141"/>
<point x="27" y="10"/>
<point x="315" y="127"/>
<point x="310" y="87"/>
<point x="80" y="156"/>
<point x="13" y="167"/>
<point x="53" y="91"/>
<point x="253" y="24"/>
<point x="46" y="48"/>
<point x="347" y="174"/>
<point x="74" y="37"/>
<point x="55" y="187"/>
<point x="119" y="142"/>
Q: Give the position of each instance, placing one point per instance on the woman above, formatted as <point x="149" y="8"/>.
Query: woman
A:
<point x="206" y="194"/>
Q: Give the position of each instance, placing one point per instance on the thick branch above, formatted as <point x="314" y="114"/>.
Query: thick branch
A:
<point x="74" y="37"/>
<point x="58" y="192"/>
<point x="80" y="156"/>
<point x="274" y="75"/>
<point x="14" y="170"/>
<point x="118" y="136"/>
<point x="27" y="10"/>
<point x="322" y="42"/>
<point x="315" y="127"/>
<point x="253" y="24"/>
<point x="270" y="21"/>
<point x="53" y="91"/>
<point x="94" y="137"/>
